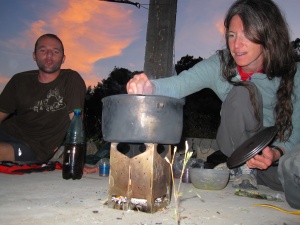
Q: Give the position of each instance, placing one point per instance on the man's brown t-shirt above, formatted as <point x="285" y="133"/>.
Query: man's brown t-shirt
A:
<point x="41" y="110"/>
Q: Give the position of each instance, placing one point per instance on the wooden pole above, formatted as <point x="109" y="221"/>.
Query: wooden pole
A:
<point x="160" y="38"/>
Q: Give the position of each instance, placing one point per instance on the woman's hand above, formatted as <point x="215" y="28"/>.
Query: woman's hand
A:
<point x="140" y="84"/>
<point x="264" y="160"/>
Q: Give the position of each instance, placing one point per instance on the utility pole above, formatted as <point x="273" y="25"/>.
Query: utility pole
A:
<point x="160" y="38"/>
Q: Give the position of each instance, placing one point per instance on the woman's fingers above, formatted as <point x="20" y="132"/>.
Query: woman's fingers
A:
<point x="139" y="84"/>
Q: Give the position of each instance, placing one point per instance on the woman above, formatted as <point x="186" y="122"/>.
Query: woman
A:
<point x="257" y="79"/>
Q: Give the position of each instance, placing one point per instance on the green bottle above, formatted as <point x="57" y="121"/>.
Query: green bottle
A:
<point x="75" y="148"/>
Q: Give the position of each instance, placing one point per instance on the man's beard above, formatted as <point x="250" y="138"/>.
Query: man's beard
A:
<point x="53" y="69"/>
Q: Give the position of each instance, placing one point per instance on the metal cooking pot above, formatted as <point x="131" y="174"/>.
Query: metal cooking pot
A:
<point x="142" y="119"/>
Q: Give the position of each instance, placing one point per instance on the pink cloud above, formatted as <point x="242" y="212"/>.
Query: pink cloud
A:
<point x="90" y="30"/>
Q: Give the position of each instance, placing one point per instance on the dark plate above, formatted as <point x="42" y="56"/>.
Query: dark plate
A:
<point x="251" y="147"/>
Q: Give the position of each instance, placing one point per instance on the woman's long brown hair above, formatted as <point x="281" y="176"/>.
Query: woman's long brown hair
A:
<point x="264" y="24"/>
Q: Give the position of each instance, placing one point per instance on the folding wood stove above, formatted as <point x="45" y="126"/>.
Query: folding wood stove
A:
<point x="140" y="177"/>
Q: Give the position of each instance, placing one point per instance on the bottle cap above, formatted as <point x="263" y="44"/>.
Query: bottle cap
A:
<point x="77" y="111"/>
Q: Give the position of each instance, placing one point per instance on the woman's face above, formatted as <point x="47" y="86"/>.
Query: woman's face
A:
<point x="246" y="53"/>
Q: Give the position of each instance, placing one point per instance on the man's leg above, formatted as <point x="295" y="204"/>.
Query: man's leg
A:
<point x="13" y="149"/>
<point x="7" y="152"/>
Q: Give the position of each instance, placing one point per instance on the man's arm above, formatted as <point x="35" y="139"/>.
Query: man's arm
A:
<point x="6" y="150"/>
<point x="71" y="115"/>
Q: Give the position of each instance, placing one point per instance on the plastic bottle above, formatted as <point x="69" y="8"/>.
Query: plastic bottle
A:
<point x="104" y="167"/>
<point x="75" y="148"/>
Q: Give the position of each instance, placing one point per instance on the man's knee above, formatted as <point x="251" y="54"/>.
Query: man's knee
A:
<point x="6" y="152"/>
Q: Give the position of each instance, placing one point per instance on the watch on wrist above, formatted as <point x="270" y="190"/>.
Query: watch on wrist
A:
<point x="278" y="149"/>
<point x="275" y="163"/>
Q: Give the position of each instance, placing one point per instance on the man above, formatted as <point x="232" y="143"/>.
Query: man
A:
<point x="36" y="106"/>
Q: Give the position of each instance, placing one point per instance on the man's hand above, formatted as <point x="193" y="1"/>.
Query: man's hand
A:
<point x="87" y="170"/>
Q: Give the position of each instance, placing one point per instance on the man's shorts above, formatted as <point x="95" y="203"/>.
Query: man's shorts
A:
<point x="22" y="151"/>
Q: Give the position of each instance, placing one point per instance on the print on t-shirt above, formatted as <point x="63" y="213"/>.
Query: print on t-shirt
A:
<point x="53" y="102"/>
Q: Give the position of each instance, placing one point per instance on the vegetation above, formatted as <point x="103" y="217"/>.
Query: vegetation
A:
<point x="114" y="84"/>
<point x="176" y="190"/>
<point x="201" y="113"/>
<point x="296" y="46"/>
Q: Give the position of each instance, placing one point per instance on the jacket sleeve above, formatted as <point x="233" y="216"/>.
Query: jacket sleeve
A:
<point x="205" y="74"/>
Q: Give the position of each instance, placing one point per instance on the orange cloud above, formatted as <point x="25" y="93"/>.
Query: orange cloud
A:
<point x="220" y="27"/>
<point x="3" y="79"/>
<point x="90" y="30"/>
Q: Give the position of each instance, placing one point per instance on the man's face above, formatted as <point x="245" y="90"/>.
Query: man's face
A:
<point x="49" y="55"/>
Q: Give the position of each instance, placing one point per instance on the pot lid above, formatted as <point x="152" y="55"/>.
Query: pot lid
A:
<point x="251" y="147"/>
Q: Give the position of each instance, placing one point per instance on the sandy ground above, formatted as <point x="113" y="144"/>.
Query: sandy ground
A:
<point x="46" y="198"/>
